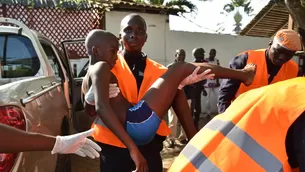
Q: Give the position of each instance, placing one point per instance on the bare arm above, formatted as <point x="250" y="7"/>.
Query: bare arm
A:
<point x="99" y="74"/>
<point x="15" y="140"/>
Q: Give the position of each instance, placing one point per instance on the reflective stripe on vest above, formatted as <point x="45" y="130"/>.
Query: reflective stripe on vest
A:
<point x="287" y="71"/>
<point x="128" y="87"/>
<point x="242" y="140"/>
<point x="250" y="135"/>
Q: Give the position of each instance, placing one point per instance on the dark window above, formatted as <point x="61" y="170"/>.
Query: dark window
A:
<point x="52" y="59"/>
<point x="18" y="57"/>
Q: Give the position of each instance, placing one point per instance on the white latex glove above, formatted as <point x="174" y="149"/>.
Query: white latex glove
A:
<point x="77" y="144"/>
<point x="113" y="92"/>
<point x="194" y="77"/>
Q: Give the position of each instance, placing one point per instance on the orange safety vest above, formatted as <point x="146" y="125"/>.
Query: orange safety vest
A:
<point x="250" y="135"/>
<point x="128" y="87"/>
<point x="288" y="70"/>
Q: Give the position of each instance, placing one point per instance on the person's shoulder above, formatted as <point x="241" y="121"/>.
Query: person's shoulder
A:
<point x="239" y="61"/>
<point x="293" y="66"/>
<point x="99" y="68"/>
<point x="169" y="65"/>
<point x="292" y="63"/>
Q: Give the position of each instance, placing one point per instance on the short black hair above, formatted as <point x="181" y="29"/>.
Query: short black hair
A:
<point x="95" y="37"/>
<point x="132" y="16"/>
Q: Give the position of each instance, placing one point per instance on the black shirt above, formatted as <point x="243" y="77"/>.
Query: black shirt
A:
<point x="137" y="65"/>
<point x="295" y="143"/>
<point x="229" y="87"/>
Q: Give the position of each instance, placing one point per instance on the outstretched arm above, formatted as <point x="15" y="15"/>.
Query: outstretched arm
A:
<point x="15" y="140"/>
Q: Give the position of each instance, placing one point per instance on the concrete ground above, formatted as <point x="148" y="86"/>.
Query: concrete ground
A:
<point x="80" y="164"/>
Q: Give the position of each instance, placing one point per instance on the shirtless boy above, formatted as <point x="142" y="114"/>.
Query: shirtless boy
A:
<point x="137" y="124"/>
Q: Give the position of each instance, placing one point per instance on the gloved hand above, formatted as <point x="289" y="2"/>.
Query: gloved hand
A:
<point x="77" y="144"/>
<point x="113" y="92"/>
<point x="194" y="77"/>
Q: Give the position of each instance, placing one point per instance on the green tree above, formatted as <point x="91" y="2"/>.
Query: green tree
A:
<point x="181" y="4"/>
<point x="236" y="6"/>
<point x="296" y="9"/>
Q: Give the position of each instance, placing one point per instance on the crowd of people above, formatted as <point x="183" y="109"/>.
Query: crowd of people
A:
<point x="260" y="126"/>
<point x="193" y="94"/>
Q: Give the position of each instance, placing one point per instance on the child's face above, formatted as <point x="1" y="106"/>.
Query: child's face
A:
<point x="108" y="52"/>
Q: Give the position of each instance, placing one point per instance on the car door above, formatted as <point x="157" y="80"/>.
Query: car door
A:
<point x="81" y="120"/>
<point x="61" y="77"/>
<point x="30" y="92"/>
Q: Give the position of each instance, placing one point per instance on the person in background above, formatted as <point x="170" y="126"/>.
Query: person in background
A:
<point x="14" y="140"/>
<point x="172" y="118"/>
<point x="211" y="85"/>
<point x="274" y="64"/>
<point x="198" y="88"/>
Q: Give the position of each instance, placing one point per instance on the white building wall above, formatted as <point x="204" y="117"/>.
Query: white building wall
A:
<point x="162" y="43"/>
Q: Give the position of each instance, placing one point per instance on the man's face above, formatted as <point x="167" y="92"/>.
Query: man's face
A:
<point x="199" y="54"/>
<point x="180" y="55"/>
<point x="212" y="53"/>
<point x="108" y="51"/>
<point x="133" y="34"/>
<point x="279" y="55"/>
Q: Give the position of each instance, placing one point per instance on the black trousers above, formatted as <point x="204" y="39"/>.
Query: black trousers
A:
<point x="196" y="107"/>
<point x="295" y="143"/>
<point x="114" y="159"/>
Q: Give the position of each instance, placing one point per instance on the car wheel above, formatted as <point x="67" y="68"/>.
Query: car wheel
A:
<point x="63" y="163"/>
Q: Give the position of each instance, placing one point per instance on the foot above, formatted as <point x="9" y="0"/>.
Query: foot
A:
<point x="183" y="142"/>
<point x="170" y="143"/>
<point x="250" y="70"/>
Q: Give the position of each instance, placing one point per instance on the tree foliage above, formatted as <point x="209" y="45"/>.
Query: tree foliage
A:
<point x="186" y="5"/>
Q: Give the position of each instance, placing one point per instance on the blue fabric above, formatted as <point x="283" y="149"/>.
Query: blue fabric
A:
<point x="142" y="123"/>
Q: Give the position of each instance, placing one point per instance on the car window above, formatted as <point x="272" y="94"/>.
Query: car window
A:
<point x="84" y="70"/>
<point x="18" y="57"/>
<point x="53" y="60"/>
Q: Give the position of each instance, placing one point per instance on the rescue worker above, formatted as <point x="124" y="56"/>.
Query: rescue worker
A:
<point x="136" y="73"/>
<point x="15" y="140"/>
<point x="273" y="64"/>
<point x="212" y="60"/>
<point x="262" y="131"/>
<point x="198" y="88"/>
